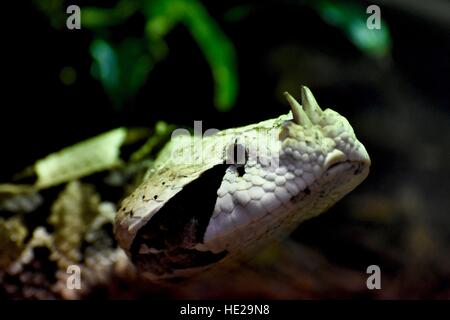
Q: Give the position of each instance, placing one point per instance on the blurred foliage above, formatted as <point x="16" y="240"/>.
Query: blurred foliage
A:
<point x="351" y="18"/>
<point x="96" y="154"/>
<point x="163" y="15"/>
<point x="160" y="135"/>
<point x="122" y="67"/>
<point x="12" y="236"/>
<point x="238" y="12"/>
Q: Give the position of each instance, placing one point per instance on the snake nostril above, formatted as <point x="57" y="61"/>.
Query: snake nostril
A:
<point x="334" y="158"/>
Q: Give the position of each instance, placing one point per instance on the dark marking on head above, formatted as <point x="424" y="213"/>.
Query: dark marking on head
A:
<point x="237" y="154"/>
<point x="155" y="196"/>
<point x="240" y="171"/>
<point x="181" y="223"/>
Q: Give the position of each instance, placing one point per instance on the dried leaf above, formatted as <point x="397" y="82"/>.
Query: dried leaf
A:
<point x="72" y="213"/>
<point x="12" y="236"/>
<point x="93" y="155"/>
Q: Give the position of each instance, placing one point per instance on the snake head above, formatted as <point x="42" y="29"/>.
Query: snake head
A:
<point x="308" y="160"/>
<point x="321" y="149"/>
<point x="238" y="190"/>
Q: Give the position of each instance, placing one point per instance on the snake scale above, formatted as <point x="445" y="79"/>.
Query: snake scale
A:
<point x="227" y="194"/>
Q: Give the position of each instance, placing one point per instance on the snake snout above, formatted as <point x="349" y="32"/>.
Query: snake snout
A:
<point x="334" y="158"/>
<point x="360" y="155"/>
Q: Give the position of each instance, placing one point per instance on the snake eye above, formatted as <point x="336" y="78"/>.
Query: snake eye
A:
<point x="237" y="154"/>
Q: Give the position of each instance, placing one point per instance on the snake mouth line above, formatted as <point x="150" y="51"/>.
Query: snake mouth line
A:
<point x="356" y="167"/>
<point x="348" y="165"/>
<point x="338" y="166"/>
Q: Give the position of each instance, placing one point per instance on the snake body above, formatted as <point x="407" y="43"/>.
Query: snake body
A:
<point x="225" y="195"/>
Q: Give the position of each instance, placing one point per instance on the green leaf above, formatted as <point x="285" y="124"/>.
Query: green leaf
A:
<point x="219" y="52"/>
<point x="92" y="17"/>
<point x="106" y="64"/>
<point x="135" y="65"/>
<point x="160" y="135"/>
<point x="93" y="155"/>
<point x="122" y="69"/>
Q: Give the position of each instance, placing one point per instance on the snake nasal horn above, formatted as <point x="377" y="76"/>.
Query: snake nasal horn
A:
<point x="310" y="104"/>
<point x="299" y="116"/>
